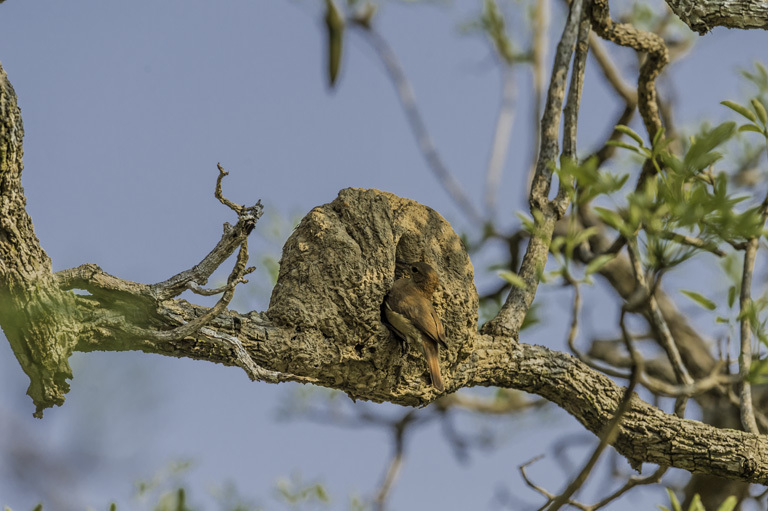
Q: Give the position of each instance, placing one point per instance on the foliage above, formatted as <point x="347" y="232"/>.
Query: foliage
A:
<point x="728" y="504"/>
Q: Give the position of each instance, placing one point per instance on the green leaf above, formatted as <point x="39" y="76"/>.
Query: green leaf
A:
<point x="740" y="109"/>
<point x="334" y="22"/>
<point x="699" y="154"/>
<point x="630" y="133"/>
<point x="729" y="504"/>
<point x="619" y="143"/>
<point x="731" y="296"/>
<point x="750" y="127"/>
<point x="701" y="300"/>
<point x="673" y="500"/>
<point x="760" y="110"/>
<point x="613" y="219"/>
<point x="597" y="263"/>
<point x="696" y="504"/>
<point x="513" y="278"/>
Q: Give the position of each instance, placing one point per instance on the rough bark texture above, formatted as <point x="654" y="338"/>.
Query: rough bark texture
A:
<point x="33" y="311"/>
<point x="704" y="15"/>
<point x="323" y="325"/>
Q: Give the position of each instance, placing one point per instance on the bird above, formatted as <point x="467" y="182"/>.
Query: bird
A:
<point x="410" y="315"/>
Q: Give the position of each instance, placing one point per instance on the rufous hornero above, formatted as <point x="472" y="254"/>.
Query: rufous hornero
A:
<point x="411" y="316"/>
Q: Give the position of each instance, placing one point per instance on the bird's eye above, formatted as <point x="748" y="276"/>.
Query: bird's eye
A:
<point x="414" y="269"/>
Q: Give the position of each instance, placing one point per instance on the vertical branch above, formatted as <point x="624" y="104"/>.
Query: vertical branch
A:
<point x="745" y="354"/>
<point x="501" y="138"/>
<point x="746" y="310"/>
<point x="550" y="120"/>
<point x="426" y="144"/>
<point x="507" y="322"/>
<point x="538" y="54"/>
<point x="659" y="324"/>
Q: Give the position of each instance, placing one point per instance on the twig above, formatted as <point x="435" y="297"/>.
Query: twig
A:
<point x="692" y="241"/>
<point x="549" y="496"/>
<point x="573" y="331"/>
<point x="631" y="483"/>
<point x="424" y="140"/>
<point x="657" y="320"/>
<point x="399" y="430"/>
<point x="611" y="431"/>
<point x="611" y="73"/>
<point x="501" y="138"/>
<point x="745" y="354"/>
<point x="232" y="238"/>
<point x="571" y="111"/>
<point x="244" y="359"/>
<point x="508" y="320"/>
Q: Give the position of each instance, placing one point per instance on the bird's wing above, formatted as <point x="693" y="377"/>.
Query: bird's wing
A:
<point x="419" y="311"/>
<point x="401" y="324"/>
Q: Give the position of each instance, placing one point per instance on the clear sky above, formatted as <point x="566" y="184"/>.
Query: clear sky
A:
<point x="127" y="108"/>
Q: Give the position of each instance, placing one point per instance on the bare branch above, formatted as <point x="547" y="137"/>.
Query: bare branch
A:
<point x="692" y="241"/>
<point x="426" y="144"/>
<point x="501" y="138"/>
<point x="507" y="322"/>
<point x="393" y="470"/>
<point x="745" y="354"/>
<point x="233" y="237"/>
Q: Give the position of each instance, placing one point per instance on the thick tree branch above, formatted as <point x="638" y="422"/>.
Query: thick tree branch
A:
<point x="704" y="15"/>
<point x="646" y="434"/>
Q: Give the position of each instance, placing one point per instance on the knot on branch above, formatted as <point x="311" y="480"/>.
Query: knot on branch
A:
<point x="340" y="263"/>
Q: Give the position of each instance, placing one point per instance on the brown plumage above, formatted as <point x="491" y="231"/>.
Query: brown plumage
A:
<point x="409" y="311"/>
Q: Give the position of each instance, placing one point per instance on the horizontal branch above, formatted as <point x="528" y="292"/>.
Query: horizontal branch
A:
<point x="646" y="435"/>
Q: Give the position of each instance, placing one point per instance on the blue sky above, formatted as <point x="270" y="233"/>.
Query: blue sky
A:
<point x="127" y="108"/>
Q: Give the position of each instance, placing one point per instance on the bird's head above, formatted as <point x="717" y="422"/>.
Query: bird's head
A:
<point x="424" y="276"/>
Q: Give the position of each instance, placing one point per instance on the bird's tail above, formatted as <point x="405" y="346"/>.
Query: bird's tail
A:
<point x="433" y="363"/>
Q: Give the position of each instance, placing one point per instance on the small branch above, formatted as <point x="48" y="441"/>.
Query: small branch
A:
<point x="233" y="237"/>
<point x="549" y="496"/>
<point x="237" y="208"/>
<point x="745" y="311"/>
<point x="745" y="355"/>
<point x="501" y="138"/>
<point x="611" y="73"/>
<point x="550" y="121"/>
<point x="193" y="326"/>
<point x="692" y="241"/>
<point x="507" y="322"/>
<point x="657" y="320"/>
<point x="612" y="429"/>
<point x="393" y="470"/>
<point x="573" y="330"/>
<point x="631" y="483"/>
<point x="571" y="111"/>
<point x="419" y="127"/>
<point x="698" y="387"/>
<point x="244" y="359"/>
<point x="647" y="42"/>
<point x="192" y="286"/>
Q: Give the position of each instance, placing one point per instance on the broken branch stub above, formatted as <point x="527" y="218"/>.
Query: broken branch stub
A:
<point x="339" y="264"/>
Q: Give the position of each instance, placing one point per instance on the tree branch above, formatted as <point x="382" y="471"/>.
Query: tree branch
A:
<point x="704" y="15"/>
